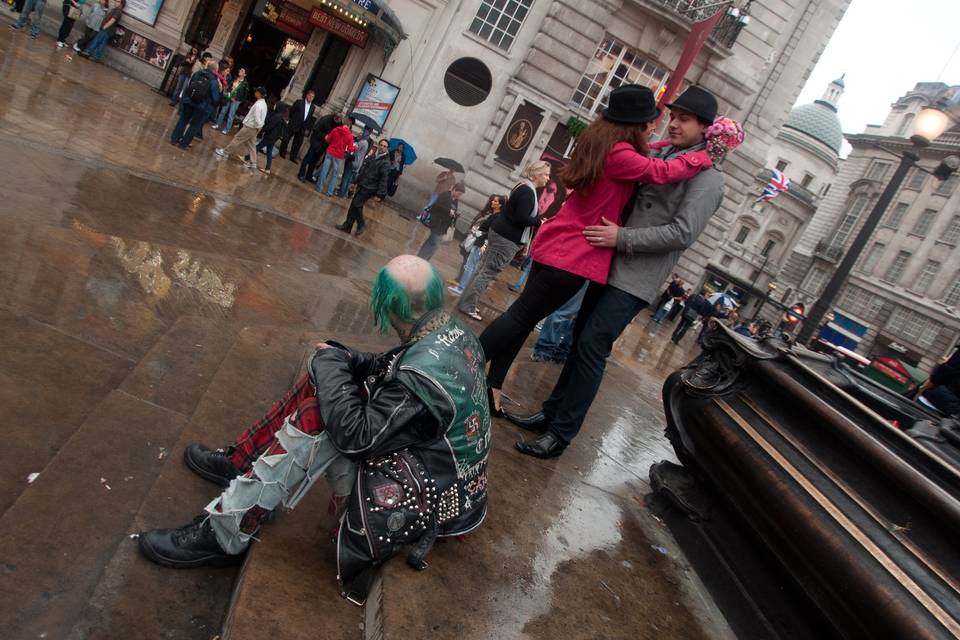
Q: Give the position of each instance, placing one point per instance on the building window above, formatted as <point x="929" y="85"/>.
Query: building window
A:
<point x="913" y="327"/>
<point x="726" y="261"/>
<point x="952" y="233"/>
<point x="742" y="235"/>
<point x="947" y="186"/>
<point x="807" y="179"/>
<point x="825" y="190"/>
<point x="952" y="297"/>
<point x="903" y="130"/>
<point x="498" y="21"/>
<point x="917" y="178"/>
<point x="782" y="165"/>
<point x="467" y="82"/>
<point x="870" y="260"/>
<point x="615" y="64"/>
<point x="895" y="271"/>
<point x="925" y="279"/>
<point x="767" y="248"/>
<point x="878" y="170"/>
<point x="815" y="280"/>
<point x="924" y="223"/>
<point x="860" y="303"/>
<point x="895" y="216"/>
<point x="850" y="220"/>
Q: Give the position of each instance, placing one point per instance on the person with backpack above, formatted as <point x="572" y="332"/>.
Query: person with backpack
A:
<point x="199" y="98"/>
<point x="318" y="145"/>
<point x="247" y="136"/>
<point x="339" y="144"/>
<point x="183" y="76"/>
<point x="353" y="162"/>
<point x="273" y="129"/>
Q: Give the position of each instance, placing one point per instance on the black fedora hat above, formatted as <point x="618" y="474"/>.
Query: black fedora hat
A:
<point x="631" y="104"/>
<point x="697" y="101"/>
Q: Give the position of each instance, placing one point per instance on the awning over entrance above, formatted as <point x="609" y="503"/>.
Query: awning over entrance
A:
<point x="374" y="15"/>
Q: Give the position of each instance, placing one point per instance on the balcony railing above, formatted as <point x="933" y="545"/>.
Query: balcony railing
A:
<point x="829" y="251"/>
<point x="727" y="30"/>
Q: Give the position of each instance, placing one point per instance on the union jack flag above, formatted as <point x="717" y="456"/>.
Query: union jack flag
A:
<point x="778" y="182"/>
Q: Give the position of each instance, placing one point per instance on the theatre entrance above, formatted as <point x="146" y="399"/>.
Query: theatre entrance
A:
<point x="268" y="50"/>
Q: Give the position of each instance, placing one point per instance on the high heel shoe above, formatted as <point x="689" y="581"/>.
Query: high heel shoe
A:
<point x="494" y="412"/>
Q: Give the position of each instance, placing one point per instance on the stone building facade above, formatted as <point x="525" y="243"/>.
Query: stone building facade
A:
<point x="905" y="290"/>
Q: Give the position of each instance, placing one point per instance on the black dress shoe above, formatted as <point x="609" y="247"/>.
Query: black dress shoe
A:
<point x="546" y="446"/>
<point x="494" y="412"/>
<point x="211" y="464"/>
<point x="359" y="231"/>
<point x="538" y="423"/>
<point x="193" y="545"/>
<point x="343" y="227"/>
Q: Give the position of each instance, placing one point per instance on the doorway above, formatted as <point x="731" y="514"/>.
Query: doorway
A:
<point x="269" y="55"/>
<point x="332" y="56"/>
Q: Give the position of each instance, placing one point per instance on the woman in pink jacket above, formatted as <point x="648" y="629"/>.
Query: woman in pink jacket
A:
<point x="609" y="159"/>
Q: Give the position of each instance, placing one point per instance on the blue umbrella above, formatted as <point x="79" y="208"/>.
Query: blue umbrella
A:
<point x="724" y="299"/>
<point x="409" y="155"/>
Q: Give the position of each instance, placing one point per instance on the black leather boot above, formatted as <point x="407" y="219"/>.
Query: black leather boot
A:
<point x="546" y="446"/>
<point x="538" y="423"/>
<point x="211" y="464"/>
<point x="193" y="545"/>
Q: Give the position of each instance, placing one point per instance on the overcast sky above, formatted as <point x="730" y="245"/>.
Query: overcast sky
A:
<point x="885" y="47"/>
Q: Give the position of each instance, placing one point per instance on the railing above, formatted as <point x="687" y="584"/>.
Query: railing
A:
<point x="726" y="31"/>
<point x="829" y="251"/>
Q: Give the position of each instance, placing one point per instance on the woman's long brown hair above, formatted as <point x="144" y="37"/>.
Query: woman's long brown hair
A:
<point x="593" y="146"/>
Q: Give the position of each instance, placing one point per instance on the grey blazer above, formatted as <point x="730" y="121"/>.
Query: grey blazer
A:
<point x="665" y="220"/>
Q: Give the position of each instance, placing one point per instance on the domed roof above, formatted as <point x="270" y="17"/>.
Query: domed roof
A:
<point x="819" y="121"/>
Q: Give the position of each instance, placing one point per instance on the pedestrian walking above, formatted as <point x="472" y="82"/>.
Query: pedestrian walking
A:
<point x="94" y="10"/>
<point x="695" y="307"/>
<point x="353" y="161"/>
<point x="611" y="156"/>
<point x="200" y="95"/>
<point x="108" y="27"/>
<point x="183" y="76"/>
<point x="397" y="162"/>
<point x="72" y="9"/>
<point x="318" y="146"/>
<point x="371" y="181"/>
<point x="473" y="245"/>
<point x="442" y="216"/>
<point x="506" y="235"/>
<point x="660" y="223"/>
<point x="246" y="139"/>
<point x="272" y="130"/>
<point x="672" y="297"/>
<point x="235" y="95"/>
<point x="556" y="335"/>
<point x="339" y="144"/>
<point x="444" y="182"/>
<point x="32" y="11"/>
<point x="301" y="122"/>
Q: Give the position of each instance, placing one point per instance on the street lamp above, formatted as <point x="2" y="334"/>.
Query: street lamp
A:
<point x="929" y="124"/>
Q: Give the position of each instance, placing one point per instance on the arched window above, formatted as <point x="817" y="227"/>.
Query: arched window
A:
<point x="904" y="129"/>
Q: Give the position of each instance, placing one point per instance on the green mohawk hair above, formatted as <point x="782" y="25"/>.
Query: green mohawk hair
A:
<point x="388" y="296"/>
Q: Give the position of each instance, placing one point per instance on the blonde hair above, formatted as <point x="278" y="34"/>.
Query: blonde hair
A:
<point x="534" y="169"/>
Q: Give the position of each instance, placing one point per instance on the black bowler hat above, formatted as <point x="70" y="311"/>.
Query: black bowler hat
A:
<point x="631" y="104"/>
<point x="697" y="101"/>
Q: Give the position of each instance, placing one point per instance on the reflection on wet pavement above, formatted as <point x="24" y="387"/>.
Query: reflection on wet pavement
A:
<point x="141" y="282"/>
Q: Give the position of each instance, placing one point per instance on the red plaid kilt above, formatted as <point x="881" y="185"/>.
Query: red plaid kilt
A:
<point x="255" y="441"/>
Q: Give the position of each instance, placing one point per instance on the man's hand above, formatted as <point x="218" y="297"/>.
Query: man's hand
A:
<point x="604" y="235"/>
<point x="324" y="345"/>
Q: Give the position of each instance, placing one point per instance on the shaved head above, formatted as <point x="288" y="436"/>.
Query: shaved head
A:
<point x="405" y="289"/>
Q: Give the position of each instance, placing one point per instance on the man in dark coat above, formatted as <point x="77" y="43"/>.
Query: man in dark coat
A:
<point x="942" y="389"/>
<point x="301" y="121"/>
<point x="195" y="109"/>
<point x="318" y="145"/>
<point x="402" y="437"/>
<point x="371" y="181"/>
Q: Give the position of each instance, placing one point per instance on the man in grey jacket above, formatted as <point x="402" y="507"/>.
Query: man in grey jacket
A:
<point x="659" y="223"/>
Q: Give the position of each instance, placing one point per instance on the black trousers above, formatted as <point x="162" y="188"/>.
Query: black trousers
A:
<point x="546" y="291"/>
<point x="606" y="311"/>
<point x="310" y="160"/>
<point x="674" y="311"/>
<point x="65" y="26"/>
<point x="681" y="329"/>
<point x="295" y="140"/>
<point x="355" y="212"/>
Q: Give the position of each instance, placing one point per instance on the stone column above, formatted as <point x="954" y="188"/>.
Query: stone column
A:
<point x="227" y="28"/>
<point x="307" y="62"/>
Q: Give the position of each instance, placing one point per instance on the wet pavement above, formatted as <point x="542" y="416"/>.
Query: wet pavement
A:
<point x="152" y="297"/>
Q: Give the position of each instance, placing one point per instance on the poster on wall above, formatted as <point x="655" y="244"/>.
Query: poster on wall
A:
<point x="376" y="99"/>
<point x="141" y="47"/>
<point x="519" y="134"/>
<point x="143" y="10"/>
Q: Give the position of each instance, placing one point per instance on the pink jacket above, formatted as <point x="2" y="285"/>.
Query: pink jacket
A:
<point x="560" y="242"/>
<point x="340" y="141"/>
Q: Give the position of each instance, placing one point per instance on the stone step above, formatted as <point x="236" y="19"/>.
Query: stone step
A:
<point x="87" y="494"/>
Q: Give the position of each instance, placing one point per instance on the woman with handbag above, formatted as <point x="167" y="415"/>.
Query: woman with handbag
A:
<point x="71" y="12"/>
<point x="472" y="245"/>
<point x="440" y="218"/>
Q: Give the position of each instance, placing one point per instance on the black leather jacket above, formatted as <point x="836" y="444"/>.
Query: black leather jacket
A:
<point x="373" y="174"/>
